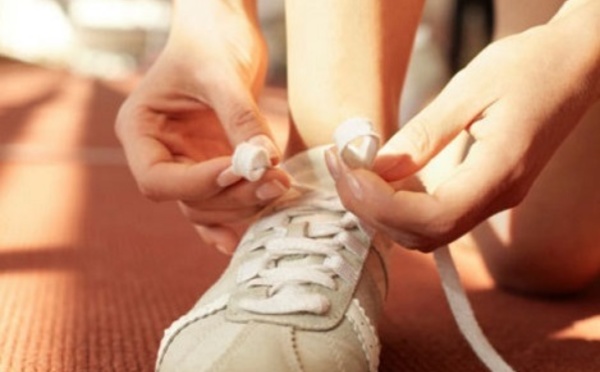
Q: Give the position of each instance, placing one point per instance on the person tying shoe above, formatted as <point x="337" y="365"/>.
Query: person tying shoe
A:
<point x="306" y="282"/>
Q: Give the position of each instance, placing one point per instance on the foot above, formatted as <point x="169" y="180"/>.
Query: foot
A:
<point x="302" y="292"/>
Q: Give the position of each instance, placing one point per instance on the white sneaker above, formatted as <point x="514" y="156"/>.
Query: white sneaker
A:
<point x="302" y="292"/>
<point x="305" y="287"/>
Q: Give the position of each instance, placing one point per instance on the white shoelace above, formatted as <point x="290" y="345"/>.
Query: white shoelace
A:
<point x="357" y="145"/>
<point x="290" y="265"/>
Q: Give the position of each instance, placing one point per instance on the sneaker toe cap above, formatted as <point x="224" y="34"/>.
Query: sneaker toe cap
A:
<point x="214" y="344"/>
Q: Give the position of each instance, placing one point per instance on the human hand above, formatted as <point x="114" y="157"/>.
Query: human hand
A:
<point x="517" y="100"/>
<point x="196" y="102"/>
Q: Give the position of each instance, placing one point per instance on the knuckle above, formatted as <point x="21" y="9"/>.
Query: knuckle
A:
<point x="515" y="196"/>
<point x="424" y="238"/>
<point x="517" y="184"/>
<point x="413" y="241"/>
<point x="150" y="194"/>
<point x="437" y="231"/>
<point x="149" y="191"/>
<point x="243" y="120"/>
<point x="444" y="234"/>
<point x="418" y="136"/>
<point x="381" y="215"/>
<point x="196" y="216"/>
<point x="242" y="117"/>
<point x="121" y="121"/>
<point x="417" y="243"/>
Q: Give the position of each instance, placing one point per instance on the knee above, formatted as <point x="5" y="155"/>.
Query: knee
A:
<point x="550" y="270"/>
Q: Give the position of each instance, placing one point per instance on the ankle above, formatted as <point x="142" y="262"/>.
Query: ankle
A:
<point x="295" y="143"/>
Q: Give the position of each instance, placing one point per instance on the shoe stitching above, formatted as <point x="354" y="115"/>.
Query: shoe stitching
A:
<point x="455" y="294"/>
<point x="220" y="363"/>
<point x="180" y="324"/>
<point x="183" y="322"/>
<point x="361" y="323"/>
<point x="298" y="365"/>
<point x="345" y="138"/>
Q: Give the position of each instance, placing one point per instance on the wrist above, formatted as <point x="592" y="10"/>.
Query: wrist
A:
<point x="217" y="34"/>
<point x="207" y="9"/>
<point x="579" y="21"/>
<point x="200" y="19"/>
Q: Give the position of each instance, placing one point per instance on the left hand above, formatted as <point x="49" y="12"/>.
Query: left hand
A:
<point x="518" y="100"/>
<point x="196" y="103"/>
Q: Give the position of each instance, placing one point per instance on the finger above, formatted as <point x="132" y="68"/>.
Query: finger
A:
<point x="372" y="199"/>
<point x="161" y="177"/>
<point x="417" y="142"/>
<point x="478" y="188"/>
<point x="217" y="217"/>
<point x="223" y="238"/>
<point x="240" y="116"/>
<point x="274" y="184"/>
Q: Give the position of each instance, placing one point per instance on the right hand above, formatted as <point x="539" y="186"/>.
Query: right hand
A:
<point x="196" y="102"/>
<point x="517" y="100"/>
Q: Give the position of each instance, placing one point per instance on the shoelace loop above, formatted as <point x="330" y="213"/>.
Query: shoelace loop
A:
<point x="357" y="145"/>
<point x="290" y="265"/>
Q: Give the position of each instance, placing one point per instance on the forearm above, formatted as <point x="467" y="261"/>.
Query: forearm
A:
<point x="196" y="11"/>
<point x="218" y="39"/>
<point x="579" y="20"/>
<point x="194" y="20"/>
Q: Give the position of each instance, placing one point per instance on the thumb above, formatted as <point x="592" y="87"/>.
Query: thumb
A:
<point x="424" y="136"/>
<point x="240" y="116"/>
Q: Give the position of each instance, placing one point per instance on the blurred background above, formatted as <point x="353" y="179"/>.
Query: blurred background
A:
<point x="91" y="272"/>
<point x="105" y="38"/>
<point x="112" y="39"/>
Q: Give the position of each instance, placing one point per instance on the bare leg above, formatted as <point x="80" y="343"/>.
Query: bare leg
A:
<point x="551" y="242"/>
<point x="347" y="58"/>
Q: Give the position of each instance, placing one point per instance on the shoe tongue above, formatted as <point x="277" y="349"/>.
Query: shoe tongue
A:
<point x="301" y="261"/>
<point x="300" y="227"/>
<point x="308" y="168"/>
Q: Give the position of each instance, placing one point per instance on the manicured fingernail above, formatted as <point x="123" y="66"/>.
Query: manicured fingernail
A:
<point x="354" y="185"/>
<point x="227" y="178"/>
<point x="221" y="248"/>
<point x="332" y="164"/>
<point x="266" y="143"/>
<point x="270" y="190"/>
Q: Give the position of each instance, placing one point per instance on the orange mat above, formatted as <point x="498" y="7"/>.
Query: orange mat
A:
<point x="91" y="273"/>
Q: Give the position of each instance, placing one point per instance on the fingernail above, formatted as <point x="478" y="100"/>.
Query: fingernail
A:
<point x="332" y="164"/>
<point x="227" y="178"/>
<point x="266" y="143"/>
<point x="270" y="190"/>
<point x="221" y="248"/>
<point x="354" y="185"/>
